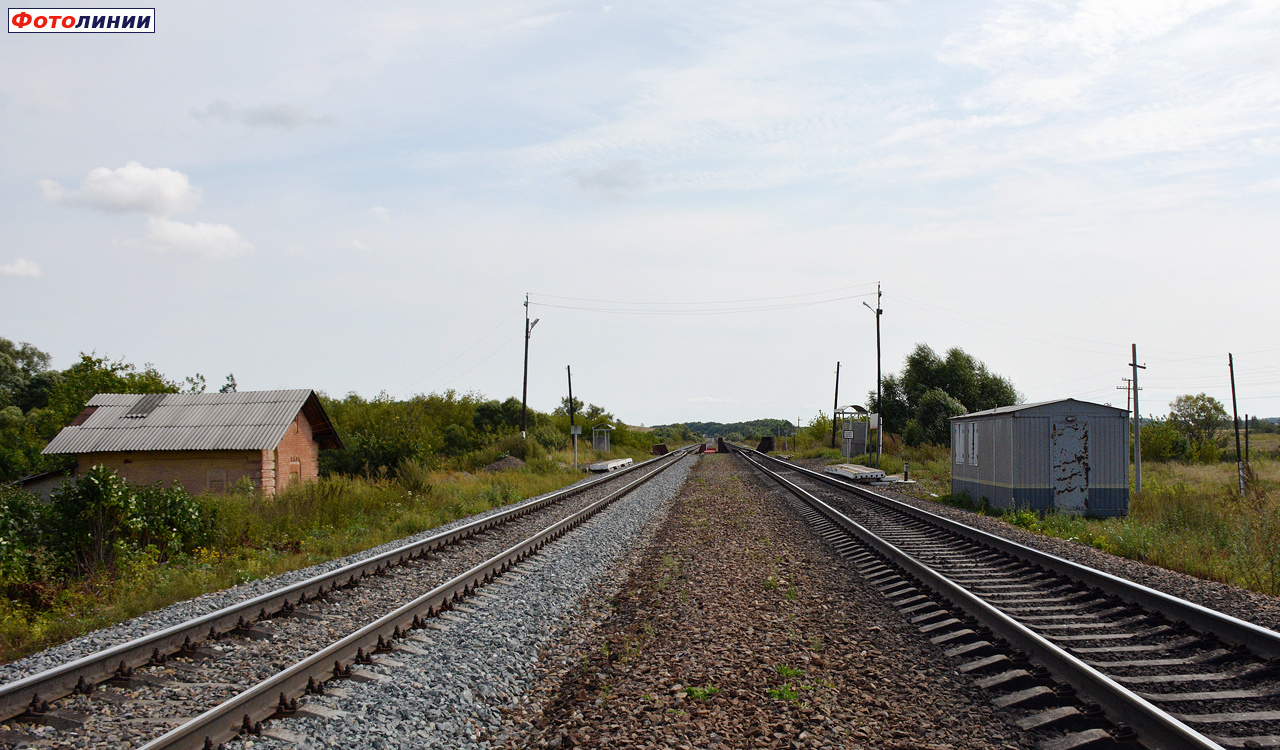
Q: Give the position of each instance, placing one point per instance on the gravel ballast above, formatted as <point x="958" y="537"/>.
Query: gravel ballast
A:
<point x="452" y="684"/>
<point x="739" y="628"/>
<point x="1238" y="602"/>
<point x="1250" y="606"/>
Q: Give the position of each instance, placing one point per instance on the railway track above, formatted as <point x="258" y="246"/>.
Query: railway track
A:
<point x="202" y="682"/>
<point x="1080" y="657"/>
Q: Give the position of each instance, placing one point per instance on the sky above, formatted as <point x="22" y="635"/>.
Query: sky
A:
<point x="698" y="198"/>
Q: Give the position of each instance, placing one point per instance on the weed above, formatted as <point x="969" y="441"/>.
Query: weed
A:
<point x="771" y="583"/>
<point x="701" y="693"/>
<point x="791" y="594"/>
<point x="788" y="671"/>
<point x="786" y="693"/>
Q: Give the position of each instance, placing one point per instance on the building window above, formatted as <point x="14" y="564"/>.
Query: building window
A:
<point x="295" y="471"/>
<point x="973" y="443"/>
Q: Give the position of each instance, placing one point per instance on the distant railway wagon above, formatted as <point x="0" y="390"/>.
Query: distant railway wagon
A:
<point x="1070" y="456"/>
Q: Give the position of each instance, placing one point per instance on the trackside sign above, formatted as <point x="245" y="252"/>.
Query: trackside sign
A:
<point x="82" y="20"/>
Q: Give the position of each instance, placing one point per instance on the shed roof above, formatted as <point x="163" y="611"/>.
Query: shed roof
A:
<point x="248" y="420"/>
<point x="1040" y="406"/>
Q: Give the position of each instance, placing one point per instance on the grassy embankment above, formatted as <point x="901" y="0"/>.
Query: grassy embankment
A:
<point x="1188" y="517"/>
<point x="256" y="537"/>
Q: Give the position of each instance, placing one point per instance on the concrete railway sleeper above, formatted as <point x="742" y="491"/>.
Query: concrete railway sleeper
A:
<point x="179" y="668"/>
<point x="1083" y="657"/>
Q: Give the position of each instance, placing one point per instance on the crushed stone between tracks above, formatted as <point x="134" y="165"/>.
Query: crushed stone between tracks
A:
<point x="739" y="628"/>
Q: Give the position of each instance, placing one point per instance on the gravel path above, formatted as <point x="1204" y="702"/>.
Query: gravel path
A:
<point x="739" y="628"/>
<point x="452" y="685"/>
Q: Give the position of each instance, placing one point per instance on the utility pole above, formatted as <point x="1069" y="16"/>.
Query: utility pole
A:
<point x="1137" y="424"/>
<point x="1246" y="439"/>
<point x="572" y="432"/>
<point x="879" y="379"/>
<point x="1128" y="393"/>
<point x="1235" y="418"/>
<point x="835" y="406"/>
<point x="524" y="393"/>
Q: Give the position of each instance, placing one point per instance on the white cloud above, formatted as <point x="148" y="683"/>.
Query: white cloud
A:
<point x="20" y="267"/>
<point x="282" y="116"/>
<point x="216" y="241"/>
<point x="358" y="246"/>
<point x="618" y="177"/>
<point x="132" y="187"/>
<point x="381" y="212"/>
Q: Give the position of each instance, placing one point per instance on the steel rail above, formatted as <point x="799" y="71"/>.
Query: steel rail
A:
<point x="1153" y="726"/>
<point x="91" y="669"/>
<point x="264" y="700"/>
<point x="1260" y="640"/>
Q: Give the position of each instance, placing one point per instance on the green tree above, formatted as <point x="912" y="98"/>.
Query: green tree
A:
<point x="563" y="408"/>
<point x="1198" y="417"/>
<point x="90" y="376"/>
<point x="25" y="377"/>
<point x="497" y="417"/>
<point x="896" y="409"/>
<point x="958" y="375"/>
<point x="933" y="416"/>
<point x="1161" y="441"/>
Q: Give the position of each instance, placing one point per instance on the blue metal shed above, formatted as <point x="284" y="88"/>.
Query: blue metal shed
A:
<point x="1070" y="456"/>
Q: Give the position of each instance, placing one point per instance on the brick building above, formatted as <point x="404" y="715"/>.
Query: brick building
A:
<point x="207" y="441"/>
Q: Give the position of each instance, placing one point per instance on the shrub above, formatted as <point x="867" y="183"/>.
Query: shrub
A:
<point x="169" y="519"/>
<point x="551" y="438"/>
<point x="412" y="476"/>
<point x="25" y="522"/>
<point x="1161" y="441"/>
<point x="525" y="449"/>
<point x="91" y="512"/>
<point x="1208" y="452"/>
<point x="456" y="440"/>
<point x="98" y="515"/>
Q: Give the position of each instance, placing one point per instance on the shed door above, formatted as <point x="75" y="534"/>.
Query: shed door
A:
<point x="1069" y="465"/>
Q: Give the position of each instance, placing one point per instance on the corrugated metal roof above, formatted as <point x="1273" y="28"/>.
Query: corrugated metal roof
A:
<point x="249" y="420"/>
<point x="1037" y="405"/>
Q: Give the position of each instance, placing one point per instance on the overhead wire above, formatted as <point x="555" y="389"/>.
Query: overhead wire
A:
<point x="464" y="352"/>
<point x="711" y="302"/>
<point x="505" y="344"/>
<point x="724" y="311"/>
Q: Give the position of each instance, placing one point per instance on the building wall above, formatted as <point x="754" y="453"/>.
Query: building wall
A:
<point x="297" y="457"/>
<point x="1013" y="467"/>
<point x="198" y="471"/>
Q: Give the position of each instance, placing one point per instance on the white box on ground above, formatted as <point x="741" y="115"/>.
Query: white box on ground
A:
<point x="606" y="466"/>
<point x="856" y="472"/>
